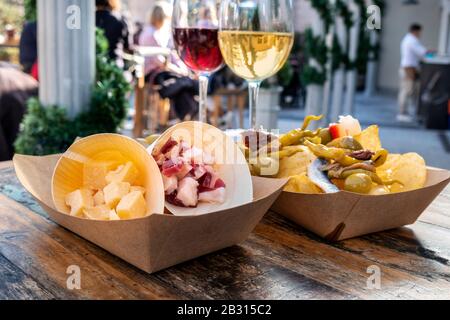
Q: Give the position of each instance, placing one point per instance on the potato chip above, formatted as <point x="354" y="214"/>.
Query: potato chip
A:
<point x="410" y="169"/>
<point x="385" y="171"/>
<point x="369" y="138"/>
<point x="296" y="164"/>
<point x="302" y="184"/>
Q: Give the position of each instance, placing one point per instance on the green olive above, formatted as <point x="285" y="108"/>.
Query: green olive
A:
<point x="325" y="136"/>
<point x="358" y="183"/>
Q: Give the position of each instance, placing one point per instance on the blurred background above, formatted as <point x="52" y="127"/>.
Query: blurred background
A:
<point x="73" y="68"/>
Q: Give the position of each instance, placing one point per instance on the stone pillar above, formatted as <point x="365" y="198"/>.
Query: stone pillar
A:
<point x="372" y="63"/>
<point x="372" y="67"/>
<point x="66" y="46"/>
<point x="352" y="74"/>
<point x="314" y="92"/>
<point x="444" y="33"/>
<point x="339" y="74"/>
<point x="329" y="39"/>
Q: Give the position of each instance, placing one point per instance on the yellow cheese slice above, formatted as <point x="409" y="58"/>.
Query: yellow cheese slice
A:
<point x="114" y="192"/>
<point x="125" y="173"/>
<point x="132" y="206"/>
<point x="99" y="198"/>
<point x="79" y="200"/>
<point x="97" y="213"/>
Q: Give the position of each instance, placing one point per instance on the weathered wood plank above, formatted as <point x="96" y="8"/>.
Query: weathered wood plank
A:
<point x="221" y="275"/>
<point x="237" y="273"/>
<point x="418" y="249"/>
<point x="11" y="187"/>
<point x="345" y="270"/>
<point x="45" y="251"/>
<point x="438" y="212"/>
<point x="16" y="285"/>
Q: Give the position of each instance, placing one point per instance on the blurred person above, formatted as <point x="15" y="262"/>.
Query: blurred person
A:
<point x="138" y="28"/>
<point x="16" y="88"/>
<point x="206" y="20"/>
<point x="412" y="52"/>
<point x="115" y="26"/>
<point x="28" y="51"/>
<point x="169" y="73"/>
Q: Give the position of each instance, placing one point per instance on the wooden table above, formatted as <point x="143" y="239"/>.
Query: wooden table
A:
<point x="278" y="261"/>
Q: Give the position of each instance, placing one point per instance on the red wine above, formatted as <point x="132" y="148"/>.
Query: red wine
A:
<point x="198" y="48"/>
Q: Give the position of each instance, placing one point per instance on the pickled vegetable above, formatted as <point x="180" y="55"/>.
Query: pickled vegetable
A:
<point x="330" y="153"/>
<point x="358" y="183"/>
<point x="380" y="157"/>
<point x="296" y="136"/>
<point x="325" y="136"/>
<point x="345" y="143"/>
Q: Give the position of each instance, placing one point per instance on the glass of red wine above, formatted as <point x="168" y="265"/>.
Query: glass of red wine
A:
<point x="195" y="33"/>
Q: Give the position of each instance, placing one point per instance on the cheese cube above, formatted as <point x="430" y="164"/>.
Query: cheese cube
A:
<point x="112" y="157"/>
<point x="126" y="173"/>
<point x="97" y="213"/>
<point x="137" y="188"/>
<point x="94" y="175"/>
<point x="99" y="198"/>
<point x="132" y="206"/>
<point x="113" y="215"/>
<point x="78" y="201"/>
<point x="114" y="192"/>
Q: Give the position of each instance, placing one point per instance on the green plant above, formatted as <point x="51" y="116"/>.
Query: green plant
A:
<point x="48" y="130"/>
<point x="30" y="7"/>
<point x="367" y="51"/>
<point x="315" y="45"/>
<point x="9" y="54"/>
<point x="5" y="55"/>
<point x="364" y="39"/>
<point x="109" y="97"/>
<point x="323" y="7"/>
<point x="311" y="75"/>
<point x="10" y="15"/>
<point x="285" y="75"/>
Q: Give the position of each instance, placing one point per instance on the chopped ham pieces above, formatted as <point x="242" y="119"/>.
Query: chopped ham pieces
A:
<point x="168" y="146"/>
<point x="187" y="168"/>
<point x="171" y="167"/>
<point x="173" y="153"/>
<point x="188" y="175"/>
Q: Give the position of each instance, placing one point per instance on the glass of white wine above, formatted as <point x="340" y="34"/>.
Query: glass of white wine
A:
<point x="256" y="37"/>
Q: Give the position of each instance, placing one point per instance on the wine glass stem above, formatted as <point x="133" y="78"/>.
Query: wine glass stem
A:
<point x="203" y="96"/>
<point x="253" y="91"/>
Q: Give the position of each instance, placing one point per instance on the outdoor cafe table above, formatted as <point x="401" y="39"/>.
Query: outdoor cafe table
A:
<point x="279" y="261"/>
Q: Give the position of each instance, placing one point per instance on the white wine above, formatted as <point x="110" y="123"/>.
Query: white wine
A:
<point x="255" y="56"/>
